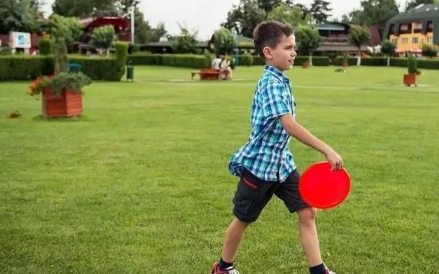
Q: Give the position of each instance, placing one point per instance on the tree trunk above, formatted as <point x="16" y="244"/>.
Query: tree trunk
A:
<point x="359" y="57"/>
<point x="388" y="61"/>
<point x="310" y="59"/>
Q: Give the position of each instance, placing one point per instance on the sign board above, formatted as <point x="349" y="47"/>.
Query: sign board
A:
<point x="19" y="40"/>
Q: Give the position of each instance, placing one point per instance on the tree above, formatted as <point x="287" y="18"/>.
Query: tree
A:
<point x="103" y="37"/>
<point x="354" y="17"/>
<point x="19" y="15"/>
<point x="83" y="8"/>
<point x="429" y="51"/>
<point x="414" y="3"/>
<point x="244" y="18"/>
<point x="289" y="15"/>
<point x="125" y="6"/>
<point x="306" y="13"/>
<point x="319" y="10"/>
<point x="186" y="42"/>
<point x="378" y="12"/>
<point x="268" y="5"/>
<point x="224" y="41"/>
<point x="359" y="36"/>
<point x="142" y="29"/>
<point x="158" y="32"/>
<point x="64" y="31"/>
<point x="309" y="40"/>
<point x="388" y="48"/>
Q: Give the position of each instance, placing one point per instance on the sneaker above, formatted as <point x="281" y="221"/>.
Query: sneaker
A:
<point x="330" y="272"/>
<point x="216" y="270"/>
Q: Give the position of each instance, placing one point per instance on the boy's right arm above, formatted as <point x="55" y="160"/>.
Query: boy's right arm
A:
<point x="304" y="136"/>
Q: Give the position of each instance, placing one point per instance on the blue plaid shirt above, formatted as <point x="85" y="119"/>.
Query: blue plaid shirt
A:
<point x="266" y="154"/>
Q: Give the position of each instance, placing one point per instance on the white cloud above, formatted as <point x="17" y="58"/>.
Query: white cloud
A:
<point x="207" y="15"/>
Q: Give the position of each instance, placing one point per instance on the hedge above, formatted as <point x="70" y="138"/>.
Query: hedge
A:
<point x="18" y="68"/>
<point x="352" y="61"/>
<point x="174" y="60"/>
<point x="394" y="62"/>
<point x="15" y="68"/>
<point x="100" y="68"/>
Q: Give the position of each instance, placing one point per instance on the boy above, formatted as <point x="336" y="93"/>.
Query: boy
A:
<point x="265" y="164"/>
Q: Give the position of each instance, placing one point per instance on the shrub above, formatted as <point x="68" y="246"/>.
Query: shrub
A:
<point x="412" y="65"/>
<point x="246" y="60"/>
<point x="121" y="51"/>
<point x="24" y="67"/>
<point x="45" y="47"/>
<point x="175" y="60"/>
<point x="19" y="68"/>
<point x="429" y="51"/>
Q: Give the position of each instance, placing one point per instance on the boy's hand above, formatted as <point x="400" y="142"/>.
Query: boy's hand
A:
<point x="334" y="159"/>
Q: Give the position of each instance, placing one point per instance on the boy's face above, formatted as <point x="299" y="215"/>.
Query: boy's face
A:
<point x="283" y="55"/>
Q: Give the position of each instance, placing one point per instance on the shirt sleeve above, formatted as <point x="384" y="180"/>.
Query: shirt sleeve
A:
<point x="276" y="100"/>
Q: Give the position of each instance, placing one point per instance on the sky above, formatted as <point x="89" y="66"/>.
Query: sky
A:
<point x="206" y="16"/>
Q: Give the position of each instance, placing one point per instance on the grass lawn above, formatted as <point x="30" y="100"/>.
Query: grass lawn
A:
<point x="140" y="183"/>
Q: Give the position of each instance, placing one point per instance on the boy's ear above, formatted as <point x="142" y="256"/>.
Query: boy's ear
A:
<point x="267" y="51"/>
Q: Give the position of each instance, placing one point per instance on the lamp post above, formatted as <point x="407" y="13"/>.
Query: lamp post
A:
<point x="235" y="33"/>
<point x="132" y="25"/>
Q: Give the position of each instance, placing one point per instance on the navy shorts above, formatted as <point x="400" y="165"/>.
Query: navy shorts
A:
<point x="253" y="194"/>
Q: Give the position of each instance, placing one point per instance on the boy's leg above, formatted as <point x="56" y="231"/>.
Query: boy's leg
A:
<point x="251" y="196"/>
<point x="233" y="238"/>
<point x="308" y="236"/>
<point x="289" y="193"/>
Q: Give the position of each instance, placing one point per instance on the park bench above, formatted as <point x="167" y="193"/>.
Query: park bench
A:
<point x="209" y="74"/>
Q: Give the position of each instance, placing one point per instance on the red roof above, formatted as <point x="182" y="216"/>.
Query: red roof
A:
<point x="117" y="22"/>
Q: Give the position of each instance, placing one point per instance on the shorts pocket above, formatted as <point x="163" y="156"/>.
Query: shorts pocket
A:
<point x="246" y="195"/>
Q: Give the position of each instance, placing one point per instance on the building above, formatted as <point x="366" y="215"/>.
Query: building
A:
<point x="335" y="39"/>
<point x="122" y="27"/>
<point x="410" y="30"/>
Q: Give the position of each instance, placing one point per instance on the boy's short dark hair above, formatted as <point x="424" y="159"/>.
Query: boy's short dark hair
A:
<point x="269" y="33"/>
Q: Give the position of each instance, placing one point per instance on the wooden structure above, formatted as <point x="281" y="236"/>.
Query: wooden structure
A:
<point x="66" y="104"/>
<point x="210" y="74"/>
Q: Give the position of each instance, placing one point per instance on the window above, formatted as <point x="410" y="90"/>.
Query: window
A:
<point x="404" y="27"/>
<point x="395" y="41"/>
<point x="415" y="40"/>
<point x="430" y="40"/>
<point x="405" y="41"/>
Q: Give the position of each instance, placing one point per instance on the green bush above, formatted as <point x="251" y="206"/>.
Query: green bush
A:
<point x="100" y="68"/>
<point x="398" y="62"/>
<point x="318" y="60"/>
<point x="428" y="64"/>
<point x="246" y="60"/>
<point x="45" y="47"/>
<point x="352" y="61"/>
<point x="5" y="51"/>
<point x="374" y="61"/>
<point x="135" y="48"/>
<point x="19" y="68"/>
<point x="258" y="61"/>
<point x="173" y="60"/>
<point x="121" y="51"/>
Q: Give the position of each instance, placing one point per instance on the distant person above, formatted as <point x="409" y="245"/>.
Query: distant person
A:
<point x="216" y="63"/>
<point x="225" y="68"/>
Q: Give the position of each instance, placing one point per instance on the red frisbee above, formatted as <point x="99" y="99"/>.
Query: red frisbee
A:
<point x="322" y="188"/>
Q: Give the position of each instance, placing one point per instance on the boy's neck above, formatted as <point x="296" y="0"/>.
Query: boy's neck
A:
<point x="274" y="66"/>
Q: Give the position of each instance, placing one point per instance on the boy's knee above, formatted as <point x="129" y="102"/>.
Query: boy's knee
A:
<point x="307" y="214"/>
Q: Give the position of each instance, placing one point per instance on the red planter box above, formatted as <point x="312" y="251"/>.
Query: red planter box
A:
<point x="65" y="104"/>
<point x="410" y="79"/>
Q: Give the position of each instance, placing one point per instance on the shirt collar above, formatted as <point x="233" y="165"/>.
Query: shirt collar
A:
<point x="277" y="73"/>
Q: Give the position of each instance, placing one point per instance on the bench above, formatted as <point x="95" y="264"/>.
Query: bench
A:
<point x="209" y="74"/>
